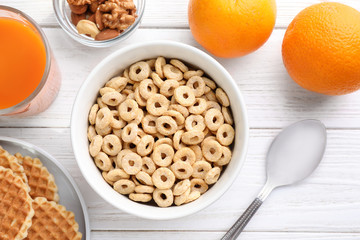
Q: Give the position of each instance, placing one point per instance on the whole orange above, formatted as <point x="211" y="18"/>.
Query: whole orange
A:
<point x="231" y="28"/>
<point x="321" y="49"/>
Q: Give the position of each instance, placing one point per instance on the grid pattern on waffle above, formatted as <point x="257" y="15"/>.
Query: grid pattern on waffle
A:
<point x="41" y="182"/>
<point x="9" y="161"/>
<point x="16" y="209"/>
<point x="51" y="222"/>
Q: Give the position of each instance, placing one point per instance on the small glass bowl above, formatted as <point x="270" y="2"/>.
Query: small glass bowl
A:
<point x="63" y="16"/>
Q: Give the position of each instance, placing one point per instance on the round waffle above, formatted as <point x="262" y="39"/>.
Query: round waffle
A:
<point x="9" y="161"/>
<point x="16" y="209"/>
<point x="41" y="182"/>
<point x="52" y="221"/>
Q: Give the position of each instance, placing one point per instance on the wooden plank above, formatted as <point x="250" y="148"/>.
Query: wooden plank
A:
<point x="268" y="90"/>
<point x="217" y="235"/>
<point x="326" y="202"/>
<point x="163" y="13"/>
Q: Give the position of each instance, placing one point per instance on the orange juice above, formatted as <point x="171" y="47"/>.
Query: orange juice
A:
<point x="29" y="76"/>
<point x="22" y="62"/>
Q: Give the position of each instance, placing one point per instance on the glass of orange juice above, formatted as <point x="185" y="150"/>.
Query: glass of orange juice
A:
<point x="29" y="76"/>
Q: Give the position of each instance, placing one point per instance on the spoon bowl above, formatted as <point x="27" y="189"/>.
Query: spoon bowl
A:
<point x="293" y="155"/>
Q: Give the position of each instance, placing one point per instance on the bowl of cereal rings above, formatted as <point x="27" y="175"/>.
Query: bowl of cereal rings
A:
<point x="159" y="130"/>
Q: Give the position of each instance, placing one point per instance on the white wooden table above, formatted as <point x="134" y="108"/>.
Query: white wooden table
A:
<point x="325" y="206"/>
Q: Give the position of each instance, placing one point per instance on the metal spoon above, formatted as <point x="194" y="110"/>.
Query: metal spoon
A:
<point x="293" y="155"/>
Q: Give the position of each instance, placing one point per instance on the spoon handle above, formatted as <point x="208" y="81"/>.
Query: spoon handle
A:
<point x="240" y="224"/>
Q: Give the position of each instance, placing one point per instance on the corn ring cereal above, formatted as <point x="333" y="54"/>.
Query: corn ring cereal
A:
<point x="166" y="125"/>
<point x="140" y="197"/>
<point x="199" y="185"/>
<point x="131" y="163"/>
<point x="192" y="137"/>
<point x="163" y="155"/>
<point x="212" y="150"/>
<point x="95" y="145"/>
<point x="195" y="122"/>
<point x="102" y="161"/>
<point x="163" y="178"/>
<point x="181" y="187"/>
<point x="222" y="97"/>
<point x="139" y="71"/>
<point x="225" y="134"/>
<point x="157" y="104"/>
<point x="179" y="64"/>
<point x="184" y="95"/>
<point x="200" y="169"/>
<point x="163" y="197"/>
<point x="124" y="186"/>
<point x="185" y="154"/>
<point x="111" y="145"/>
<point x="172" y="72"/>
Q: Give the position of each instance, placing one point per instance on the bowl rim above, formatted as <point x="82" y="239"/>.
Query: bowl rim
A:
<point x="64" y="171"/>
<point x="241" y="155"/>
<point x="93" y="43"/>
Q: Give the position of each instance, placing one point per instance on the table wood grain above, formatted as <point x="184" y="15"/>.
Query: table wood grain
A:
<point x="326" y="206"/>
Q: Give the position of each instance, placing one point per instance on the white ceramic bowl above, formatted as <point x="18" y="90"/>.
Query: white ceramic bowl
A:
<point x="116" y="63"/>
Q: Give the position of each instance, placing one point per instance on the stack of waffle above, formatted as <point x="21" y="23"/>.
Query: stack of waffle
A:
<point x="29" y="199"/>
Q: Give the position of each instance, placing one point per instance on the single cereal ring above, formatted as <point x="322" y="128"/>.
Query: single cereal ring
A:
<point x="198" y="153"/>
<point x="177" y="140"/>
<point x="212" y="150"/>
<point x="197" y="84"/>
<point x="172" y="72"/>
<point x="113" y="98"/>
<point x="103" y="131"/>
<point x="166" y="125"/>
<point x="144" y="178"/>
<point x="149" y="124"/>
<point x="157" y="104"/>
<point x="148" y="165"/>
<point x="163" y="197"/>
<point x="92" y="114"/>
<point x="193" y="196"/>
<point x="168" y="87"/>
<point x="140" y="197"/>
<point x="128" y="109"/>
<point x="151" y="63"/>
<point x="163" y="178"/>
<point x="131" y="163"/>
<point x="120" y="155"/>
<point x="145" y="146"/>
<point x="199" y="185"/>
<point x="139" y="116"/>
<point x="181" y="187"/>
<point x="111" y="145"/>
<point x="213" y="104"/>
<point x="95" y="145"/>
<point x="181" y="109"/>
<point x="210" y="83"/>
<point x="185" y="96"/>
<point x="100" y="103"/>
<point x="129" y="132"/>
<point x="157" y="79"/>
<point x="211" y="96"/>
<point x="199" y="106"/>
<point x="200" y="169"/>
<point x="124" y="186"/>
<point x="147" y="88"/>
<point x="182" y="170"/>
<point x="159" y="63"/>
<point x="225" y="157"/>
<point x="163" y="155"/>
<point x="166" y="140"/>
<point x="225" y="134"/>
<point x="213" y="119"/>
<point x="178" y="117"/>
<point x="103" y="118"/>
<point x="222" y="97"/>
<point x="102" y="161"/>
<point x="139" y="71"/>
<point x="139" y="99"/>
<point x="192" y="137"/>
<point x="179" y="64"/>
<point x="227" y="115"/>
<point x="181" y="199"/>
<point x="144" y="189"/>
<point x="212" y="175"/>
<point x="116" y="121"/>
<point x="195" y="122"/>
<point x="185" y="155"/>
<point x="117" y="83"/>
<point x="189" y="74"/>
<point x="91" y="133"/>
<point x="117" y="174"/>
<point x="104" y="90"/>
